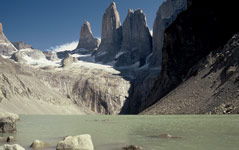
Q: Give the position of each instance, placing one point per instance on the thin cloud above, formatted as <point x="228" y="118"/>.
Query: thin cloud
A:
<point x="67" y="46"/>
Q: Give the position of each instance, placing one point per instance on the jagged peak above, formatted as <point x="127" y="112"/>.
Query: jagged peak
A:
<point x="139" y="11"/>
<point x="112" y="7"/>
<point x="130" y="11"/>
<point x="87" y="23"/>
<point x="86" y="28"/>
<point x="113" y="4"/>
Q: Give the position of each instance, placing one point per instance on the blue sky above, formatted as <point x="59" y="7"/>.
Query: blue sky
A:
<point x="48" y="23"/>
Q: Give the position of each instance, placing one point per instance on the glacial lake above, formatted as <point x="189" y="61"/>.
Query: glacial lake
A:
<point x="197" y="132"/>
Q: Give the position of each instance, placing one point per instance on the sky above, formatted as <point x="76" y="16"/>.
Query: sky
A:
<point x="55" y="24"/>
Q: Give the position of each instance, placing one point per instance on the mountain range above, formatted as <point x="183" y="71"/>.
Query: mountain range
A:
<point x="189" y="65"/>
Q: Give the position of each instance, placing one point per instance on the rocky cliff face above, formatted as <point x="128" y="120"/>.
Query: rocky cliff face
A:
<point x="166" y="15"/>
<point x="21" y="45"/>
<point x="6" y="47"/>
<point x="111" y="35"/>
<point x="74" y="89"/>
<point x="23" y="92"/>
<point x="136" y="40"/>
<point x="87" y="41"/>
<point x="191" y="37"/>
<point x="98" y="89"/>
<point x="212" y="90"/>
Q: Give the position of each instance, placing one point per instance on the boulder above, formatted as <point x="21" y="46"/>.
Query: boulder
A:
<point x="39" y="144"/>
<point x="136" y="39"/>
<point x="8" y="122"/>
<point x="68" y="61"/>
<point x="79" y="142"/>
<point x="111" y="35"/>
<point x="11" y="147"/>
<point x="10" y="139"/>
<point x="87" y="40"/>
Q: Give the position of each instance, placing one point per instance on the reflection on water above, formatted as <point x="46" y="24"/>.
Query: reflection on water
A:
<point x="199" y="132"/>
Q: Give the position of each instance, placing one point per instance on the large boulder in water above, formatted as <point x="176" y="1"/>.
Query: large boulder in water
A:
<point x="8" y="122"/>
<point x="87" y="42"/>
<point x="80" y="142"/>
<point x="39" y="144"/>
<point x="136" y="39"/>
<point x="111" y="35"/>
<point x="11" y="147"/>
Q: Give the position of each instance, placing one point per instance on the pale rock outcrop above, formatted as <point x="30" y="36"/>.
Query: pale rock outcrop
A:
<point x="6" y="47"/>
<point x="80" y="142"/>
<point x="37" y="144"/>
<point x="21" y="45"/>
<point x="11" y="147"/>
<point x="68" y="61"/>
<point x="8" y="139"/>
<point x="111" y="35"/>
<point x="87" y="42"/>
<point x="22" y="84"/>
<point x="166" y="15"/>
<point x="8" y="122"/>
<point x="29" y="56"/>
<point x="136" y="40"/>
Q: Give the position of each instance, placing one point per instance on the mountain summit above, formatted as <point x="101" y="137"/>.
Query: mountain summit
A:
<point x="87" y="40"/>
<point x="6" y="47"/>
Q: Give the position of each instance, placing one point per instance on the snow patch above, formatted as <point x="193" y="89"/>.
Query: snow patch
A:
<point x="39" y="62"/>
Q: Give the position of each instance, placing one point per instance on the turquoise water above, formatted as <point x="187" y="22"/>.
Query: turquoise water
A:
<point x="198" y="132"/>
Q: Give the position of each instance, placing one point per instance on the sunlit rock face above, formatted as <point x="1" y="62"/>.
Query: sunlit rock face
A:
<point x="111" y="35"/>
<point x="6" y="47"/>
<point x="87" y="40"/>
<point x="136" y="40"/>
<point x="21" y="45"/>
